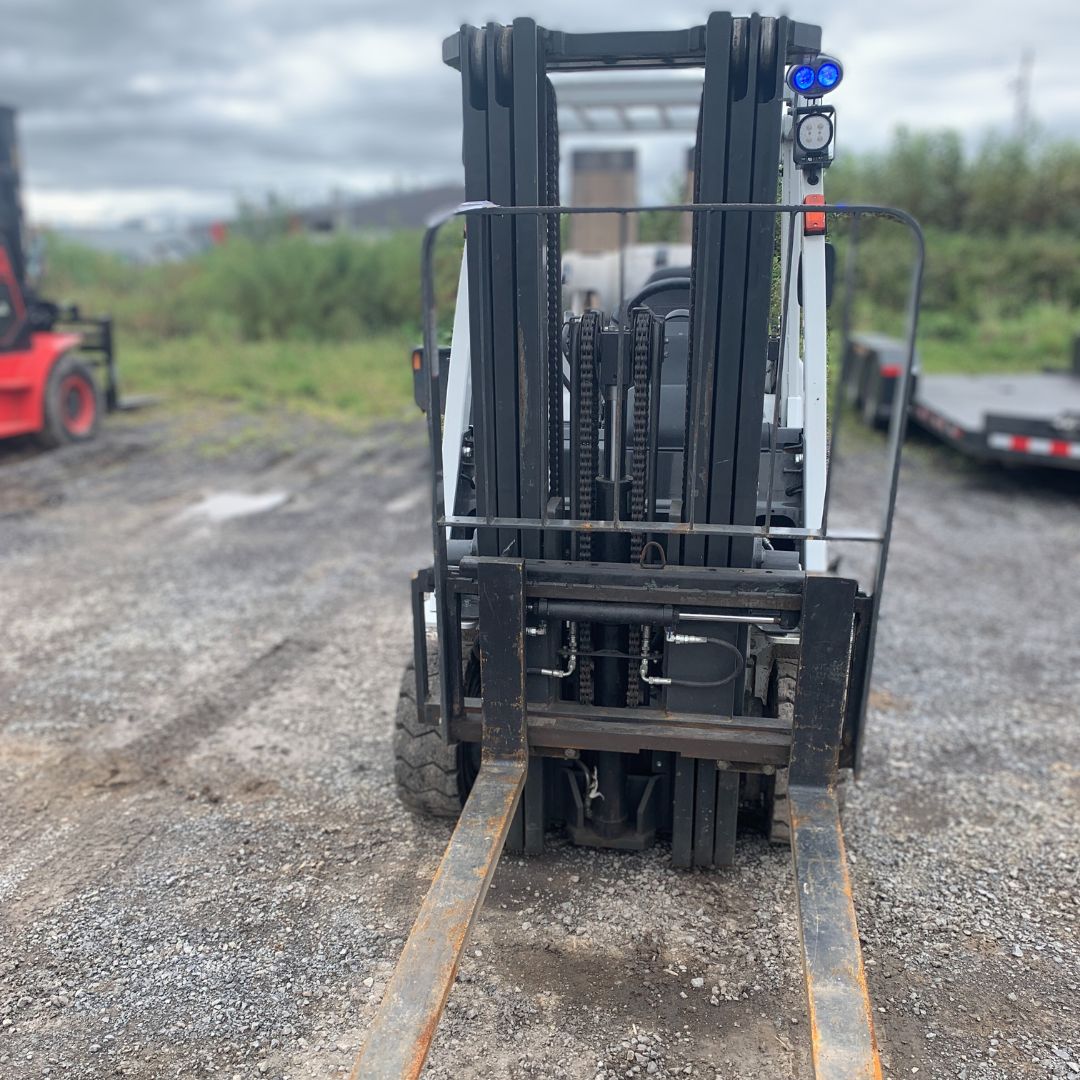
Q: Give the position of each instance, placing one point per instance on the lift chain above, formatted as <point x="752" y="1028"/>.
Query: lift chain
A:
<point x="639" y="461"/>
<point x="697" y="241"/>
<point x="554" y="300"/>
<point x="588" y="330"/>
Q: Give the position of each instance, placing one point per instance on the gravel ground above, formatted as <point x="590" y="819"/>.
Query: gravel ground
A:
<point x="204" y="872"/>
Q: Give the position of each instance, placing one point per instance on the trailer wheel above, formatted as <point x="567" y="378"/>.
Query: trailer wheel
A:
<point x="432" y="777"/>
<point x="872" y="410"/>
<point x="72" y="404"/>
<point x="782" y="706"/>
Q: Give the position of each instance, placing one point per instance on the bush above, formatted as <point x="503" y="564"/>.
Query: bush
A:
<point x="1007" y="187"/>
<point x="284" y="287"/>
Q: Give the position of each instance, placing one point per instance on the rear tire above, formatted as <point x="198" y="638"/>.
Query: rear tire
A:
<point x="72" y="404"/>
<point x="429" y="773"/>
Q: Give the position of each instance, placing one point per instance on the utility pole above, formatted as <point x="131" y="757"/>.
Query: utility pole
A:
<point x="1021" y="87"/>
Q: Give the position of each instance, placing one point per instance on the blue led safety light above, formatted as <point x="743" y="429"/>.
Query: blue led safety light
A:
<point x="815" y="79"/>
<point x="828" y="75"/>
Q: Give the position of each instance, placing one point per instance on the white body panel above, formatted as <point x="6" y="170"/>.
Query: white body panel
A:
<point x="458" y="391"/>
<point x="804" y="383"/>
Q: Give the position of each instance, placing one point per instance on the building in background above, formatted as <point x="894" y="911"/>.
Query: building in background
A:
<point x="602" y="178"/>
<point x="380" y="214"/>
<point x="148" y="242"/>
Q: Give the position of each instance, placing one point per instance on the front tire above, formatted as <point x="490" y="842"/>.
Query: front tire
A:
<point x="429" y="774"/>
<point x="781" y="705"/>
<point x="72" y="404"/>
<point x="782" y="702"/>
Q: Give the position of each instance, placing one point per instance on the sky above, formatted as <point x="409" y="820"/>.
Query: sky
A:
<point x="176" y="109"/>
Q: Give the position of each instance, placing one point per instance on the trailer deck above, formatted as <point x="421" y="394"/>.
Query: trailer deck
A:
<point x="1030" y="418"/>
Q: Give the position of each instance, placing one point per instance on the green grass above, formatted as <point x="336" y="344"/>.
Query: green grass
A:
<point x="1039" y="338"/>
<point x="370" y="378"/>
<point x="360" y="381"/>
<point x="323" y="328"/>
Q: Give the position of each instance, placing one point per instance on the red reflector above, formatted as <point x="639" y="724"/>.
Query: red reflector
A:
<point x="890" y="371"/>
<point x="417" y="359"/>
<point x="814" y="220"/>
<point x="1019" y="443"/>
<point x="1059" y="448"/>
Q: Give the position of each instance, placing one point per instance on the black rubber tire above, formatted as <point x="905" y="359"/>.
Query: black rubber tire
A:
<point x="871" y="411"/>
<point x="69" y="377"/>
<point x="429" y="773"/>
<point x="782" y="705"/>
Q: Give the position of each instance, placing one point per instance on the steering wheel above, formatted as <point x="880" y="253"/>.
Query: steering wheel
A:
<point x="654" y="288"/>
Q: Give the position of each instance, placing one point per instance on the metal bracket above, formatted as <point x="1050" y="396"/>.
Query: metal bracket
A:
<point x="400" y="1036"/>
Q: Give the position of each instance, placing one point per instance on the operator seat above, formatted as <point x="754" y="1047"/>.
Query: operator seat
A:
<point x="665" y="290"/>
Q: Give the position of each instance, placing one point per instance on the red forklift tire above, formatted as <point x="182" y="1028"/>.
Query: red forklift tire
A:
<point x="72" y="404"/>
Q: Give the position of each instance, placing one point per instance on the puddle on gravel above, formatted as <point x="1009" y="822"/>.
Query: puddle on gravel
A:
<point x="226" y="505"/>
<point x="409" y="501"/>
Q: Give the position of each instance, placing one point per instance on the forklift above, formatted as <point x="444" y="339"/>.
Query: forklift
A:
<point x="49" y="354"/>
<point x="630" y="631"/>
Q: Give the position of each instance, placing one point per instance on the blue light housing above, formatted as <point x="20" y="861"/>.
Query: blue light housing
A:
<point x="828" y="75"/>
<point x="803" y="78"/>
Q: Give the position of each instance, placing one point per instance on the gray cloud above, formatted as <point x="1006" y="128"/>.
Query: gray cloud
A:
<point x="182" y="105"/>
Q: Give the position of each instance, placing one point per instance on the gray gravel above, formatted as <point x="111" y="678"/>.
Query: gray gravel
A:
<point x="204" y="872"/>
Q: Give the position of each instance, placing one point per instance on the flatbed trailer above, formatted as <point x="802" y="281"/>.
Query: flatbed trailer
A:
<point x="1030" y="418"/>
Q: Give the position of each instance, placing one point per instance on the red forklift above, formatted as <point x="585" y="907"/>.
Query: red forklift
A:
<point x="57" y="368"/>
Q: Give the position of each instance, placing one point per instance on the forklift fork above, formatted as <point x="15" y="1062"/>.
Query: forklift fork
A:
<point x="841" y="1025"/>
<point x="400" y="1036"/>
